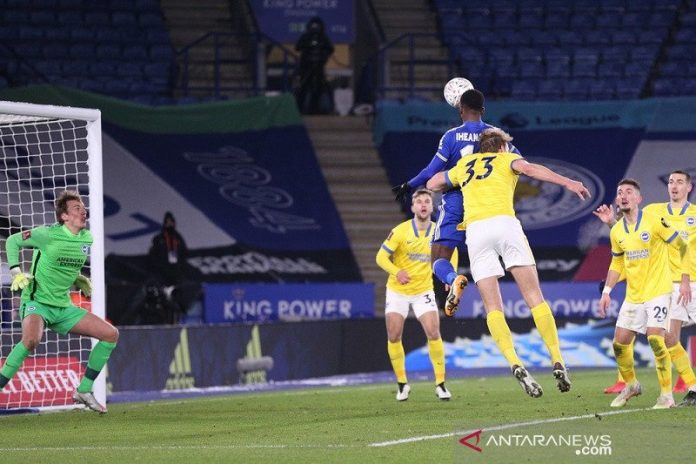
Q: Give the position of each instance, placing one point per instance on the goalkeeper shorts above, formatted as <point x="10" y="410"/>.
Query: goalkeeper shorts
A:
<point x="59" y="320"/>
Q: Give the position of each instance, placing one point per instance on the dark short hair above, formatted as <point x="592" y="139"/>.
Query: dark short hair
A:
<point x="682" y="172"/>
<point x="472" y="99"/>
<point x="62" y="203"/>
<point x="629" y="181"/>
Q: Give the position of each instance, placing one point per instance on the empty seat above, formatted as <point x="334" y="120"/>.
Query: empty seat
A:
<point x="661" y="19"/>
<point x="584" y="69"/>
<point x="108" y="51"/>
<point x="42" y="18"/>
<point x="623" y="37"/>
<point x="569" y="38"/>
<point x="615" y="53"/>
<point x="82" y="34"/>
<point x="636" y="69"/>
<point x="531" y="70"/>
<point x="97" y="18"/>
<point x="556" y="20"/>
<point x="101" y="69"/>
<point x="634" y="20"/>
<point x="161" y="53"/>
<point x="685" y="36"/>
<point x="585" y="55"/>
<point x="582" y="20"/>
<point x="602" y="90"/>
<point x="550" y="90"/>
<point x="523" y="90"/>
<point x="674" y="69"/>
<point x="528" y="55"/>
<point x="610" y="69"/>
<point x="608" y="20"/>
<point x="29" y="50"/>
<point x="668" y="86"/>
<point x="652" y="37"/>
<point x="530" y="20"/>
<point x="627" y="89"/>
<point x="557" y="70"/>
<point x="149" y="19"/>
<point x="129" y="70"/>
<point x="575" y="89"/>
<point x="56" y="34"/>
<point x="135" y="52"/>
<point x="82" y="51"/>
<point x="681" y="53"/>
<point x="124" y="18"/>
<point x="644" y="53"/>
<point x="597" y="37"/>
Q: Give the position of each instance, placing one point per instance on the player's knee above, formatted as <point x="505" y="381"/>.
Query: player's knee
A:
<point x="432" y="334"/>
<point x="670" y="339"/>
<point x="394" y="338"/>
<point x="30" y="342"/>
<point x="112" y="335"/>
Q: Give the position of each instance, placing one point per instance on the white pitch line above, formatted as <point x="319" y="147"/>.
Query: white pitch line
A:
<point x="502" y="427"/>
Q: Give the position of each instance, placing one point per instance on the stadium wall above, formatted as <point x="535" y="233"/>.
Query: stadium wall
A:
<point x="177" y="358"/>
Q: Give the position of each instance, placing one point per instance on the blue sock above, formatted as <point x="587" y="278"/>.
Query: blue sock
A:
<point x="444" y="271"/>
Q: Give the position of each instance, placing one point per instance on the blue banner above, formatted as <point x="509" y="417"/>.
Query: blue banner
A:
<point x="567" y="300"/>
<point x="287" y="302"/>
<point x="284" y="20"/>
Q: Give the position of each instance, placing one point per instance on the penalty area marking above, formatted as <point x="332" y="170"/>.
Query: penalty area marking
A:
<point x="513" y="425"/>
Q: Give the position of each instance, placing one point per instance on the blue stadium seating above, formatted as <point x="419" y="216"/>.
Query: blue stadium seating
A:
<point x="112" y="46"/>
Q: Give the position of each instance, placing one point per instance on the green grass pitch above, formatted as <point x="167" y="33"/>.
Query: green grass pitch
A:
<point x="344" y="425"/>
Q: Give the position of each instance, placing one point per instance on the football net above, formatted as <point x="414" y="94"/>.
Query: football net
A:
<point x="43" y="151"/>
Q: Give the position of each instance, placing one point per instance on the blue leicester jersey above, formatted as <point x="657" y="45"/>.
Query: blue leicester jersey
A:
<point x="454" y="144"/>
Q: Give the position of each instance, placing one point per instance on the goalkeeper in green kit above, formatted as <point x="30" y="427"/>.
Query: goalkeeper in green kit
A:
<point x="60" y="251"/>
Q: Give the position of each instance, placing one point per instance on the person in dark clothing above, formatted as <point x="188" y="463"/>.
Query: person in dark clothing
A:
<point x="314" y="93"/>
<point x="174" y="287"/>
<point x="168" y="252"/>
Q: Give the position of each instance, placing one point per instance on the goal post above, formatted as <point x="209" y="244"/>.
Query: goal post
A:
<point x="44" y="150"/>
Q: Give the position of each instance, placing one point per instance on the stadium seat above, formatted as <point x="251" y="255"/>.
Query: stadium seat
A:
<point x="610" y="69"/>
<point x="124" y="19"/>
<point x="124" y="5"/>
<point x="582" y="20"/>
<point x="688" y="19"/>
<point x="42" y="18"/>
<point x="608" y="20"/>
<point x="531" y="70"/>
<point x="543" y="38"/>
<point x="132" y="70"/>
<point x="674" y="69"/>
<point x="602" y="90"/>
<point x="661" y="19"/>
<point x="652" y="37"/>
<point x="28" y="33"/>
<point x="557" y="70"/>
<point x="161" y="53"/>
<point x="584" y="69"/>
<point x="550" y="90"/>
<point x="575" y="89"/>
<point x="634" y="20"/>
<point x="615" y="53"/>
<point x="597" y="38"/>
<point x="82" y="51"/>
<point x="585" y="55"/>
<point x="523" y="90"/>
<point x="681" y="53"/>
<point x="665" y="87"/>
<point x="97" y="18"/>
<point x="504" y="21"/>
<point x="108" y="51"/>
<point x="628" y="89"/>
<point x="691" y="70"/>
<point x="150" y="20"/>
<point x="556" y="21"/>
<point x="644" y="53"/>
<point x="135" y="53"/>
<point x="29" y="50"/>
<point x="82" y="34"/>
<point x="555" y="54"/>
<point x="54" y="50"/>
<point x="570" y="38"/>
<point x="76" y="68"/>
<point x="101" y="69"/>
<point x="685" y="36"/>
<point x="530" y="21"/>
<point x="116" y="87"/>
<point x="621" y="37"/>
<point x="528" y="55"/>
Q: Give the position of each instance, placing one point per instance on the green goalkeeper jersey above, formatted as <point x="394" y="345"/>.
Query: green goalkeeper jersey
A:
<point x="58" y="257"/>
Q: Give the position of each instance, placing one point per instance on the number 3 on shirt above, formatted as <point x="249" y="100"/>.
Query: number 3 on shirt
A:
<point x="487" y="160"/>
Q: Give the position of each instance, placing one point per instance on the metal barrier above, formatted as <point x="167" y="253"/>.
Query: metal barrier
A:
<point x="255" y="47"/>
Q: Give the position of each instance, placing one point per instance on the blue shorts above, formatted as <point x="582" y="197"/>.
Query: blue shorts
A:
<point x="451" y="214"/>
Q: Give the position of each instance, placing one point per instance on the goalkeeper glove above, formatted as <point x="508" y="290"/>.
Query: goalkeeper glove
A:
<point x="400" y="191"/>
<point x="19" y="279"/>
<point x="84" y="284"/>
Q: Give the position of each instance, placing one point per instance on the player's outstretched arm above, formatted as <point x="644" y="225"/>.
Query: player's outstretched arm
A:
<point x="537" y="171"/>
<point x="438" y="182"/>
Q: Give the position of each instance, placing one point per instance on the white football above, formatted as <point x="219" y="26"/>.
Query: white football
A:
<point x="455" y="88"/>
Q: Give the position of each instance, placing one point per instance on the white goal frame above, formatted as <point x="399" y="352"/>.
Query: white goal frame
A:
<point x="96" y="201"/>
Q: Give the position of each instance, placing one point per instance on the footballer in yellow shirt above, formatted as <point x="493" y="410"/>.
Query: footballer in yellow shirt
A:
<point x="405" y="256"/>
<point x="639" y="245"/>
